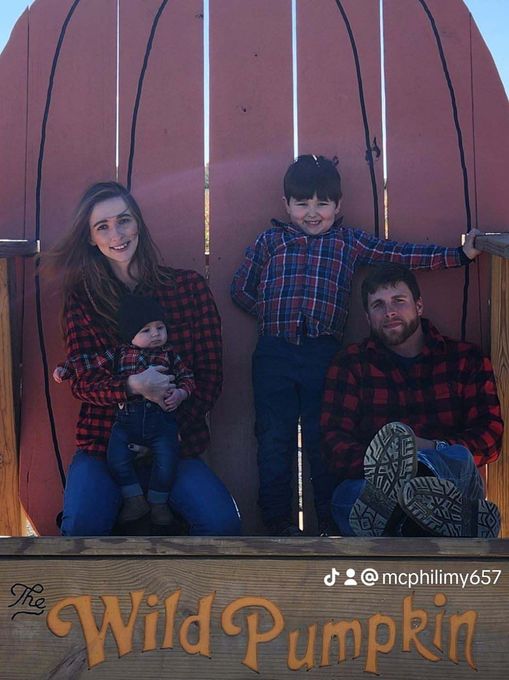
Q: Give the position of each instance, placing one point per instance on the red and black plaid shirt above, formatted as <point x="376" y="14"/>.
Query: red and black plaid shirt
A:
<point x="129" y="360"/>
<point x="448" y="393"/>
<point x="194" y="330"/>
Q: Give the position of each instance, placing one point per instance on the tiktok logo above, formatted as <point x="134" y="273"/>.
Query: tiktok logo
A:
<point x="330" y="579"/>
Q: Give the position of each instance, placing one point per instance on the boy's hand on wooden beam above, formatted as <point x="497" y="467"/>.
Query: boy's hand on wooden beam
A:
<point x="468" y="244"/>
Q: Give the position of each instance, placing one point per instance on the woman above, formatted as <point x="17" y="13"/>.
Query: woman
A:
<point x="107" y="253"/>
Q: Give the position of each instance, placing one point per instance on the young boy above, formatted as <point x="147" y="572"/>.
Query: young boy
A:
<point x="296" y="280"/>
<point x="139" y="421"/>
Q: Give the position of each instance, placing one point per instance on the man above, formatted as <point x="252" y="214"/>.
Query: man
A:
<point x="408" y="416"/>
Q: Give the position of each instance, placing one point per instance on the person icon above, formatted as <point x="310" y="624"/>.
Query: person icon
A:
<point x="350" y="580"/>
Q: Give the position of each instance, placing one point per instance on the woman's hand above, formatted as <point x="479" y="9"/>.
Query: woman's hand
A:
<point x="153" y="383"/>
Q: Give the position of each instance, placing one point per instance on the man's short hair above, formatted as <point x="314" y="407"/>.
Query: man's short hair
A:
<point x="310" y="175"/>
<point x="388" y="274"/>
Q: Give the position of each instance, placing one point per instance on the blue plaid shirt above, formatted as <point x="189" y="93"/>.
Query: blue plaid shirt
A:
<point x="297" y="284"/>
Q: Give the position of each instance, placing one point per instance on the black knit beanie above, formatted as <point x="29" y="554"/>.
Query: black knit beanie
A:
<point x="135" y="312"/>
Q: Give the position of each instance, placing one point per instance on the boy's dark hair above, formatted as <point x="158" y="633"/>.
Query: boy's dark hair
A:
<point x="135" y="312"/>
<point x="388" y="274"/>
<point x="310" y="175"/>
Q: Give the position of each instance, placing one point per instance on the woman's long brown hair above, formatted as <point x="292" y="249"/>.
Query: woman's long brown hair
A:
<point x="84" y="270"/>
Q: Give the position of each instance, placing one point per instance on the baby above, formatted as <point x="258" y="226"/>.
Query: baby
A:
<point x="139" y="421"/>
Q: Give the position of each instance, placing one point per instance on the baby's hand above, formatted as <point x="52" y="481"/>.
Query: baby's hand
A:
<point x="58" y="374"/>
<point x="174" y="398"/>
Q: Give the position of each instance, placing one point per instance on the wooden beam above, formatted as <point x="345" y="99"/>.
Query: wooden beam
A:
<point x="18" y="247"/>
<point x="498" y="473"/>
<point x="264" y="608"/>
<point x="495" y="244"/>
<point x="10" y="509"/>
<point x="255" y="547"/>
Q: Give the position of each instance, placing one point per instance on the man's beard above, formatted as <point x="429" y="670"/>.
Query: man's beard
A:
<point x="394" y="337"/>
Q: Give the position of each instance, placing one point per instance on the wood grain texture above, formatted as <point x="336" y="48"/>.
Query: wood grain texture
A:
<point x="18" y="248"/>
<point x="253" y="547"/>
<point x="10" y="509"/>
<point x="289" y="585"/>
<point x="494" y="244"/>
<point x="498" y="473"/>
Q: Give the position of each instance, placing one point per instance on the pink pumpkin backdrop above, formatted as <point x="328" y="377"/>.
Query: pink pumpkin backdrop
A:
<point x="446" y="143"/>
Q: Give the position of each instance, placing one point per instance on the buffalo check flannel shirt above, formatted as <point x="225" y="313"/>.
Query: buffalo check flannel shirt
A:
<point x="448" y="393"/>
<point x="128" y="360"/>
<point x="194" y="330"/>
<point x="291" y="281"/>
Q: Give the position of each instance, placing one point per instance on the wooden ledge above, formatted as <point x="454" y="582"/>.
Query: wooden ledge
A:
<point x="18" y="248"/>
<point x="495" y="244"/>
<point x="235" y="608"/>
<point x="252" y="547"/>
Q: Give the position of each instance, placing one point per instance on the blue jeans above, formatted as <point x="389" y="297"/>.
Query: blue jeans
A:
<point x="143" y="422"/>
<point x="92" y="499"/>
<point x="455" y="464"/>
<point x="288" y="383"/>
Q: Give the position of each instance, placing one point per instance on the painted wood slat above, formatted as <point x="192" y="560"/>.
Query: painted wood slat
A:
<point x="180" y="613"/>
<point x="427" y="196"/>
<point x="336" y="120"/>
<point x="250" y="149"/>
<point x="498" y="472"/>
<point x="491" y="137"/>
<point x="18" y="248"/>
<point x="10" y="510"/>
<point x="13" y="111"/>
<point x="254" y="547"/>
<point x="13" y="143"/>
<point x="167" y="167"/>
<point x="331" y="120"/>
<point x="70" y="149"/>
<point x="495" y="244"/>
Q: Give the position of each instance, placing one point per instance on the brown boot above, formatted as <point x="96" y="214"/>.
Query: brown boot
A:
<point x="160" y="514"/>
<point x="133" y="508"/>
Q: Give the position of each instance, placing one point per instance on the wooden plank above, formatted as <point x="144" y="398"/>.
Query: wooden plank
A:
<point x="250" y="150"/>
<point x="273" y="614"/>
<point x="167" y="169"/>
<point x="494" y="244"/>
<point x="253" y="547"/>
<point x="491" y="137"/>
<point x="13" y="114"/>
<point x="71" y="144"/>
<point x="10" y="509"/>
<point x="18" y="248"/>
<point x="331" y="118"/>
<point x="491" y="126"/>
<point x="13" y="159"/>
<point x="498" y="473"/>
<point x="333" y="122"/>
<point x="427" y="197"/>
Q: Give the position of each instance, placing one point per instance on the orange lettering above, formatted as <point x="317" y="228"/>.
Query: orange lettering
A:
<point x="254" y="635"/>
<point x="374" y="646"/>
